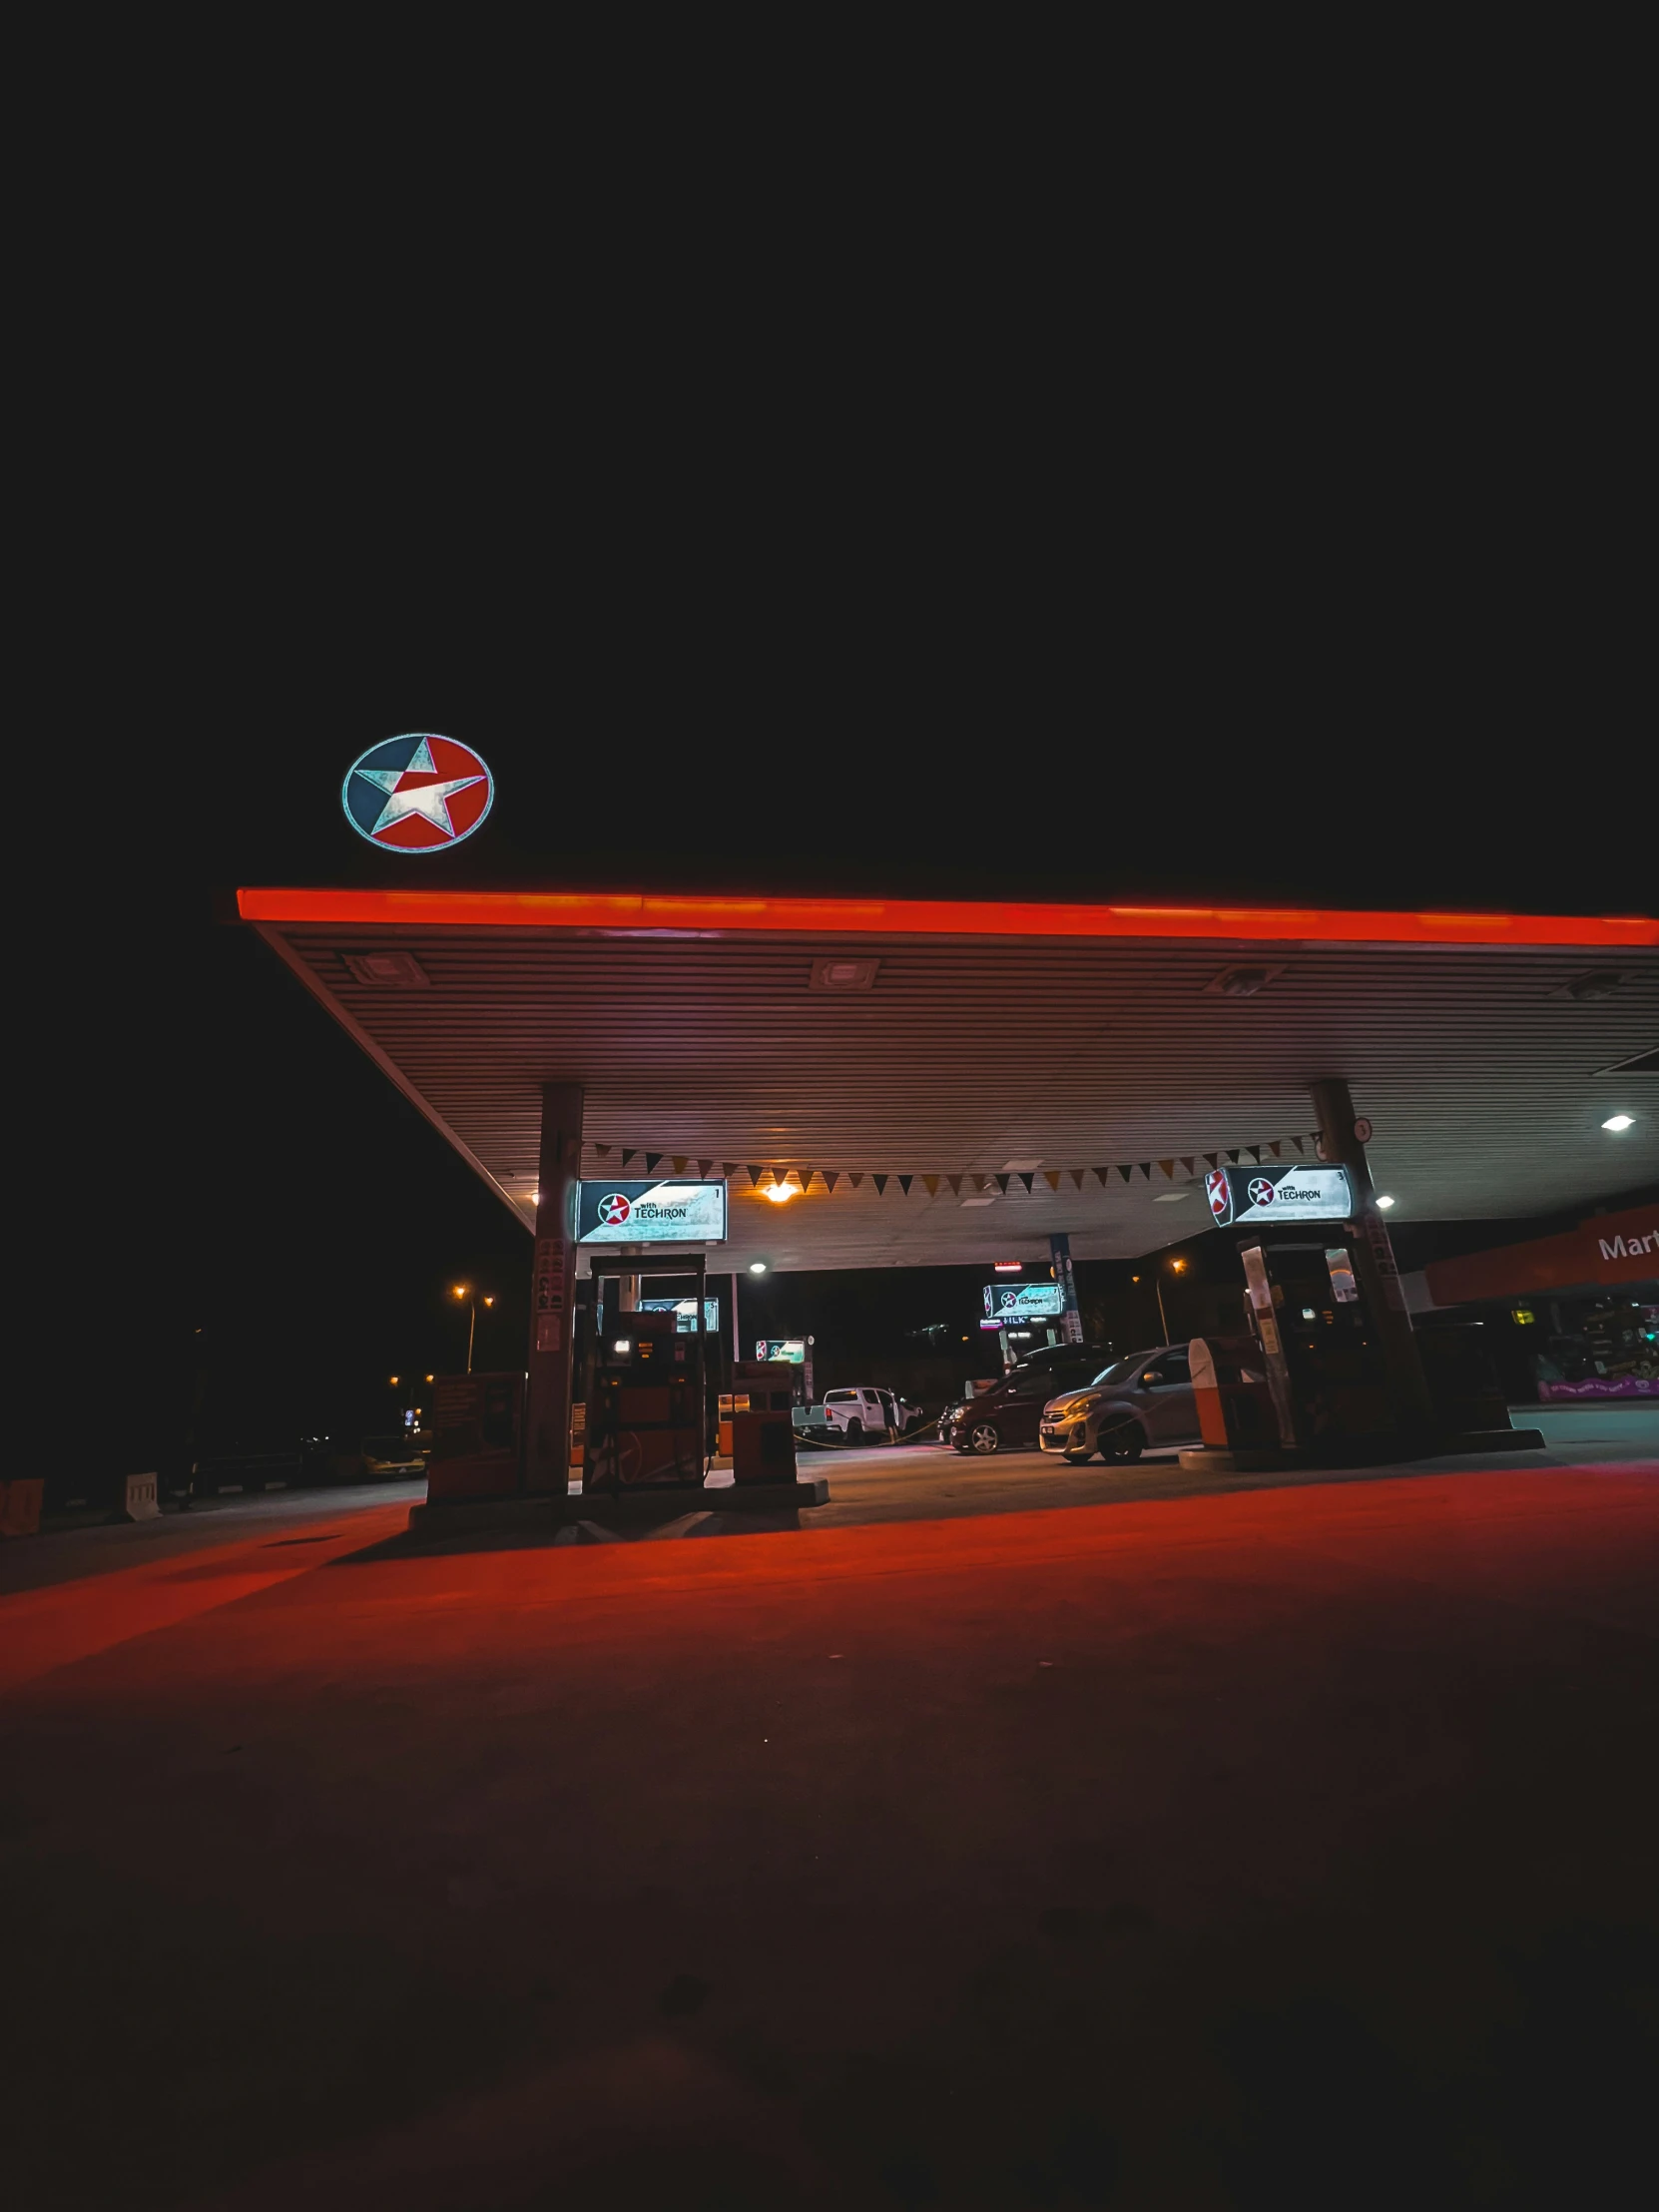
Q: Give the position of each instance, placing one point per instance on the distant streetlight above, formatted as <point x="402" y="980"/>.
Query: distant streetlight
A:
<point x="466" y="1290"/>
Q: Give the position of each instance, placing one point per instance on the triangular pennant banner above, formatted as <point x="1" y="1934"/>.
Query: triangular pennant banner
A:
<point x="807" y="1175"/>
<point x="730" y="1168"/>
<point x="1051" y="1176"/>
<point x="1211" y="1159"/>
<point x="1187" y="1163"/>
<point x="603" y="1150"/>
<point x="956" y="1182"/>
<point x="753" y="1178"/>
<point x="1001" y="1182"/>
<point x="679" y="1163"/>
<point x="1103" y="1175"/>
<point x="625" y="1157"/>
<point x="1297" y="1141"/>
<point x="930" y="1184"/>
<point x="1233" y="1157"/>
<point x="831" y="1176"/>
<point x="1276" y="1148"/>
<point x="1077" y="1175"/>
<point x="881" y="1182"/>
<point x="1255" y="1152"/>
<point x="904" y="1182"/>
<point x="1025" y="1179"/>
<point x="1145" y="1167"/>
<point x="854" y="1180"/>
<point x="1126" y="1173"/>
<point x="1168" y="1167"/>
<point x="705" y="1169"/>
<point x="651" y="1160"/>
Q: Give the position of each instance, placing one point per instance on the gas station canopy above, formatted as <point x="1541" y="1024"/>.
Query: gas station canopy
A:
<point x="962" y="1048"/>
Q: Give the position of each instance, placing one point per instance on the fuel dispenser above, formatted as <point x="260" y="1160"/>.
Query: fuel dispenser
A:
<point x="649" y="1389"/>
<point x="760" y="1411"/>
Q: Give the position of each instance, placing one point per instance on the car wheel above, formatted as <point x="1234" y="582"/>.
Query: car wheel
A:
<point x="855" y="1432"/>
<point x="984" y="1438"/>
<point x="1122" y="1442"/>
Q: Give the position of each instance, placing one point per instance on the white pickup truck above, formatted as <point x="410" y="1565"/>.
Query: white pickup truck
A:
<point x="858" y="1413"/>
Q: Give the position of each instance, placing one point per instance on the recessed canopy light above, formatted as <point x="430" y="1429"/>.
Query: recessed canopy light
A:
<point x="757" y="1267"/>
<point x="1618" y="1121"/>
<point x="1385" y="1202"/>
<point x="780" y="1192"/>
<point x="623" y="1346"/>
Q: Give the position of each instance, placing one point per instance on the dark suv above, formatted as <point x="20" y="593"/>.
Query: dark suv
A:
<point x="1003" y="1418"/>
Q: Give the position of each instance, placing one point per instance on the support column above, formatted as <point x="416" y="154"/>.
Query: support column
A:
<point x="1373" y="1259"/>
<point x="1071" y="1320"/>
<point x="553" y="1292"/>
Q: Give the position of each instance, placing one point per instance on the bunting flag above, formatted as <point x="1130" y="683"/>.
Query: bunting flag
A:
<point x="762" y="1176"/>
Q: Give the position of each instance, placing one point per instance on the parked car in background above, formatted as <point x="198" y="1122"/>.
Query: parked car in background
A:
<point x="855" y="1413"/>
<point x="1144" y="1399"/>
<point x="386" y="1456"/>
<point x="1008" y="1416"/>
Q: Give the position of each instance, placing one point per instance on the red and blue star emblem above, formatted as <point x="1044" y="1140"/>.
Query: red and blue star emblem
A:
<point x="417" y="794"/>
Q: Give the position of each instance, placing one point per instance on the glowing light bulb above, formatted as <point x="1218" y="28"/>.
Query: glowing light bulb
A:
<point x="757" y="1267"/>
<point x="1618" y="1121"/>
<point x="1385" y="1202"/>
<point x="778" y="1193"/>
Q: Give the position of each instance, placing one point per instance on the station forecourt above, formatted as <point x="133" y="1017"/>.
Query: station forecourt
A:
<point x="949" y="1081"/>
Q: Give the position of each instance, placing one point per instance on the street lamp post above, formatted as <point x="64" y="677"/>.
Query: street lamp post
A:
<point x="466" y="1291"/>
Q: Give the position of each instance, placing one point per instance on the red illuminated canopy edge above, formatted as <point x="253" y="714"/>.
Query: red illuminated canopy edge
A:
<point x="701" y="915"/>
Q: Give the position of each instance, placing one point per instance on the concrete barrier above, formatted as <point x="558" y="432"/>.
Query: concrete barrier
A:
<point x="139" y="1498"/>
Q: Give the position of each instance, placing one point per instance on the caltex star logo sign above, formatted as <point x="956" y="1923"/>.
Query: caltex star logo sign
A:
<point x="417" y="794"/>
<point x="614" y="1211"/>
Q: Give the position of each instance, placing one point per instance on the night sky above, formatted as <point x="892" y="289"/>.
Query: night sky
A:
<point x="214" y="1156"/>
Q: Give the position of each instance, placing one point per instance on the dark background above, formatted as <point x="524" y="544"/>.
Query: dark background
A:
<point x="1000" y="583"/>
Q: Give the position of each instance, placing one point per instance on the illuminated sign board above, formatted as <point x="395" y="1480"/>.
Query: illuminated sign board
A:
<point x="684" y="1311"/>
<point x="1015" y="1301"/>
<point x="792" y="1349"/>
<point x="417" y="794"/>
<point x="1278" y="1194"/>
<point x="618" y="1213"/>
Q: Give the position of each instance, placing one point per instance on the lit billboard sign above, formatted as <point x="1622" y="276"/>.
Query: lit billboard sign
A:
<point x="1278" y="1194"/>
<point x="792" y="1349"/>
<point x="618" y="1213"/>
<point x="684" y="1311"/>
<point x="1015" y="1301"/>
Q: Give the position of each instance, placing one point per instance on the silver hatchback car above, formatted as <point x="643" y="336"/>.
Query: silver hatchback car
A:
<point x="1144" y="1399"/>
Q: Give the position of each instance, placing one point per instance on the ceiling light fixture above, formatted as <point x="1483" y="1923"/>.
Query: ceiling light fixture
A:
<point x="1385" y="1202"/>
<point x="1618" y="1122"/>
<point x="757" y="1267"/>
<point x="779" y="1192"/>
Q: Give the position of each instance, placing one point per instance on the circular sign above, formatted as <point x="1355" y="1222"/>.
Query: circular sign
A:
<point x="1261" y="1191"/>
<point x="1215" y="1190"/>
<point x="614" y="1210"/>
<point x="417" y="794"/>
<point x="1363" y="1130"/>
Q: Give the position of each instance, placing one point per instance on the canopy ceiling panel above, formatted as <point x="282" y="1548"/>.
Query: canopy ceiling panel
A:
<point x="978" y="1049"/>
